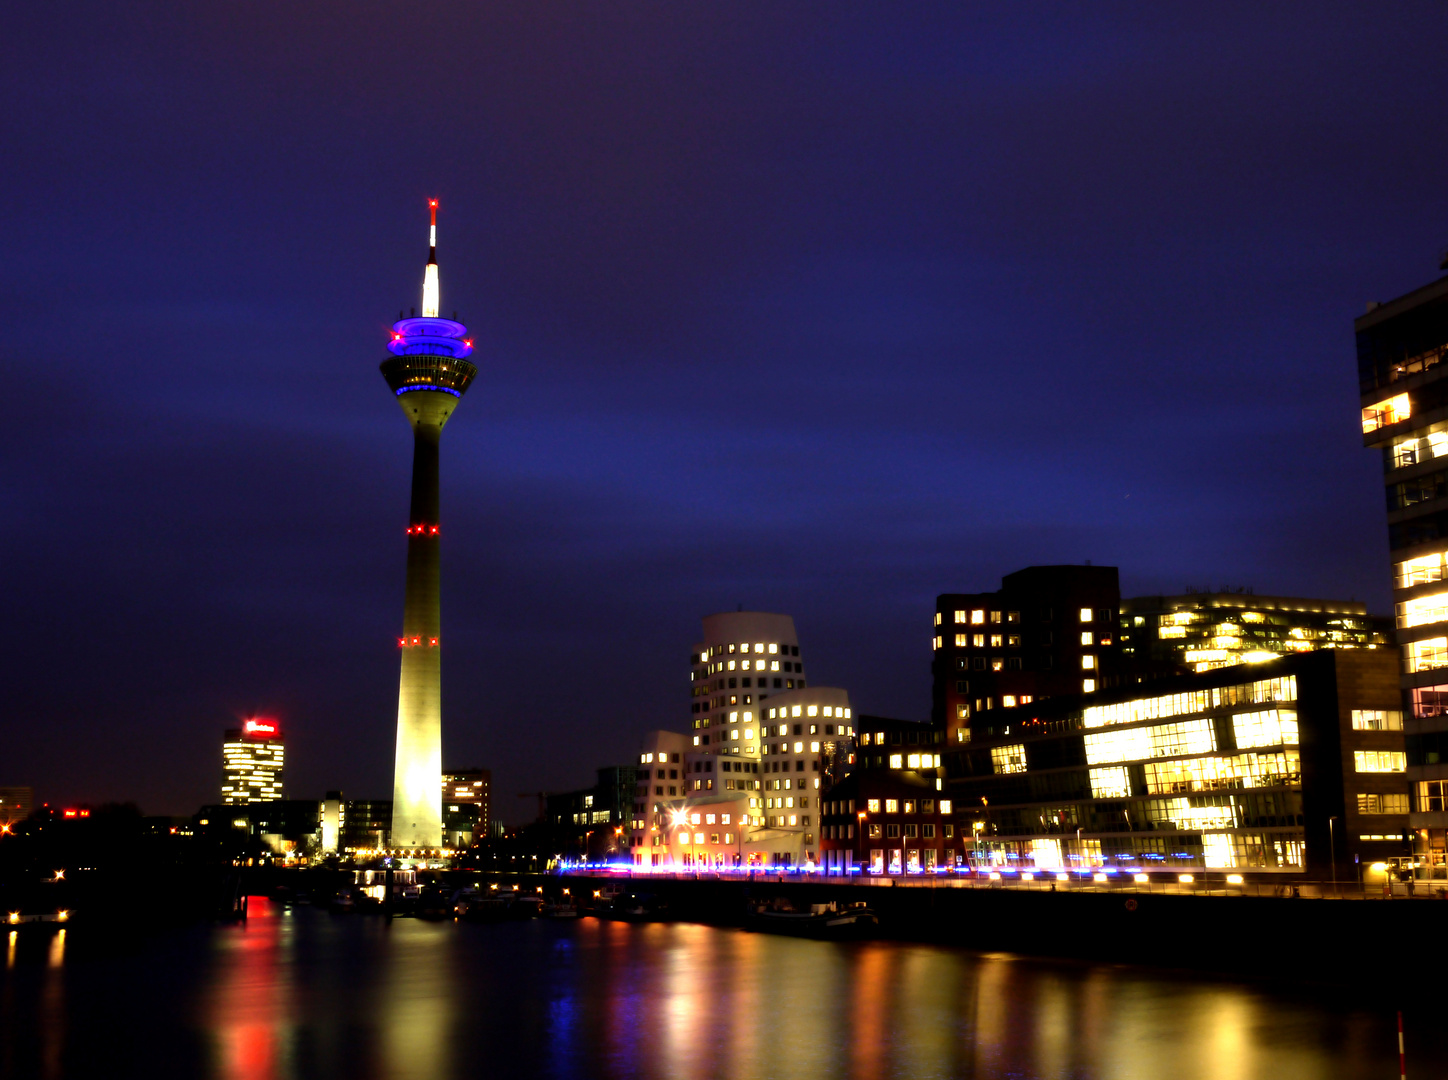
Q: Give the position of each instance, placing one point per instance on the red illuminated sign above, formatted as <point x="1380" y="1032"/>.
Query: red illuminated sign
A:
<point x="261" y="727"/>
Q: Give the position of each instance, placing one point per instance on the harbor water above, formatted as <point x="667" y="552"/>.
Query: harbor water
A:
<point x="300" y="992"/>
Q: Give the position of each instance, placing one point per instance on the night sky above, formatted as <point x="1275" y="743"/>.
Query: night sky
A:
<point x="822" y="309"/>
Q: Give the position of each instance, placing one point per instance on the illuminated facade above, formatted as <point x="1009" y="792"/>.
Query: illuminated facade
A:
<point x="428" y="373"/>
<point x="252" y="758"/>
<point x="763" y="745"/>
<point x="1202" y="631"/>
<point x="1294" y="765"/>
<point x="1049" y="630"/>
<point x="1402" y="347"/>
<point x="467" y="800"/>
<point x="745" y="656"/>
<point x="890" y="815"/>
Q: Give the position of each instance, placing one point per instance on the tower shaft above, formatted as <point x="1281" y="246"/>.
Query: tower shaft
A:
<point x="417" y="792"/>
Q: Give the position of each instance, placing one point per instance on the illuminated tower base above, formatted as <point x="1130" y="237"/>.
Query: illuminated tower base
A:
<point x="428" y="373"/>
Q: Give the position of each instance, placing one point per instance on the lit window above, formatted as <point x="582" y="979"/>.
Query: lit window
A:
<point x="1087" y="638"/>
<point x="1382" y="804"/>
<point x="897" y="761"/>
<point x="814" y="748"/>
<point x="813" y="710"/>
<point x="1085" y="614"/>
<point x="960" y="616"/>
<point x="724" y="820"/>
<point x="995" y="641"/>
<point x="1426" y="655"/>
<point x="1377" y="720"/>
<point x="1379" y="761"/>
<point x="794" y="711"/>
<point x="892" y="806"/>
<point x="937" y="618"/>
<point x="730" y="665"/>
<point x="748" y="734"/>
<point x="1088" y="686"/>
<point x="1422" y="610"/>
<point x="960" y="641"/>
<point x="698" y="838"/>
<point x="733" y="734"/>
<point x="873" y="805"/>
<point x="1008" y="701"/>
<point x="978" y="641"/>
<point x="997" y="663"/>
<point x="773" y="648"/>
<point x="1389" y="411"/>
<point x="774" y="665"/>
<point x="995" y="616"/>
<point x="945" y="806"/>
<point x="1419" y="571"/>
<point x="1008" y="759"/>
<point x="913" y="761"/>
<point x="708" y="819"/>
<point x="977" y="617"/>
<point x="935" y="642"/>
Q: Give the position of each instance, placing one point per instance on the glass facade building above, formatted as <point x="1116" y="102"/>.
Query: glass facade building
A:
<point x="1202" y="631"/>
<point x="1402" y="347"/>
<point x="1294" y="765"/>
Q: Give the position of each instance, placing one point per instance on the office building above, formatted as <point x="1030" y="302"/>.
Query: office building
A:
<point x="1295" y="765"/>
<point x="594" y="822"/>
<point x="744" y="657"/>
<point x="763" y="746"/>
<point x="253" y="756"/>
<point x="1402" y="347"/>
<point x="428" y="373"/>
<point x="890" y="815"/>
<point x="332" y="819"/>
<point x="467" y="800"/>
<point x="16" y="804"/>
<point x="365" y="826"/>
<point x="1049" y="630"/>
<point x="1202" y="631"/>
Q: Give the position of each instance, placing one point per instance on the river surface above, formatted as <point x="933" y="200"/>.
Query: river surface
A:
<point x="302" y="993"/>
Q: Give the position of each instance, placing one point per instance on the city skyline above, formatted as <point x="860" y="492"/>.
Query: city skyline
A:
<point x="1038" y="324"/>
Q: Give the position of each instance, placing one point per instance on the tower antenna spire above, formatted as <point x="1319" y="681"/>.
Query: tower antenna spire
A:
<point x="431" y="294"/>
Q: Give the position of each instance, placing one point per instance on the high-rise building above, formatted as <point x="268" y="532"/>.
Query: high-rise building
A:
<point x="745" y="656"/>
<point x="467" y="799"/>
<point x="253" y="756"/>
<point x="1402" y="355"/>
<point x="1049" y="630"/>
<point x="428" y="372"/>
<point x="763" y="747"/>
<point x="1202" y="631"/>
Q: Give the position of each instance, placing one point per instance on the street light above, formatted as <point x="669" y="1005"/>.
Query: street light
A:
<point x="1332" y="849"/>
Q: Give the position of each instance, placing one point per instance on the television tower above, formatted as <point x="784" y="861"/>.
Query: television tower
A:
<point x="428" y="372"/>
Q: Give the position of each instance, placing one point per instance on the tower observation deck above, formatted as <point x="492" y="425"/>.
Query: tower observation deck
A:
<point x="428" y="373"/>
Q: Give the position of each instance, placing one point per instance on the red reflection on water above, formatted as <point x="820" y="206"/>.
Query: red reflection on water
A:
<point x="248" y="1007"/>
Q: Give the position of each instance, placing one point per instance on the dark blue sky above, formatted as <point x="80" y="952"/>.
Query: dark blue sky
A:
<point x="821" y="309"/>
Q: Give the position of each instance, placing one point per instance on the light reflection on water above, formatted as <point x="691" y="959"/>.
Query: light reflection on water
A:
<point x="296" y="994"/>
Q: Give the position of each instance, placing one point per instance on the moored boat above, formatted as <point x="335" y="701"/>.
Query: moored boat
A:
<point x="829" y="920"/>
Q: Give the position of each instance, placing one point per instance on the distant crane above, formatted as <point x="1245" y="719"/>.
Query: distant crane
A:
<point x="542" y="797"/>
